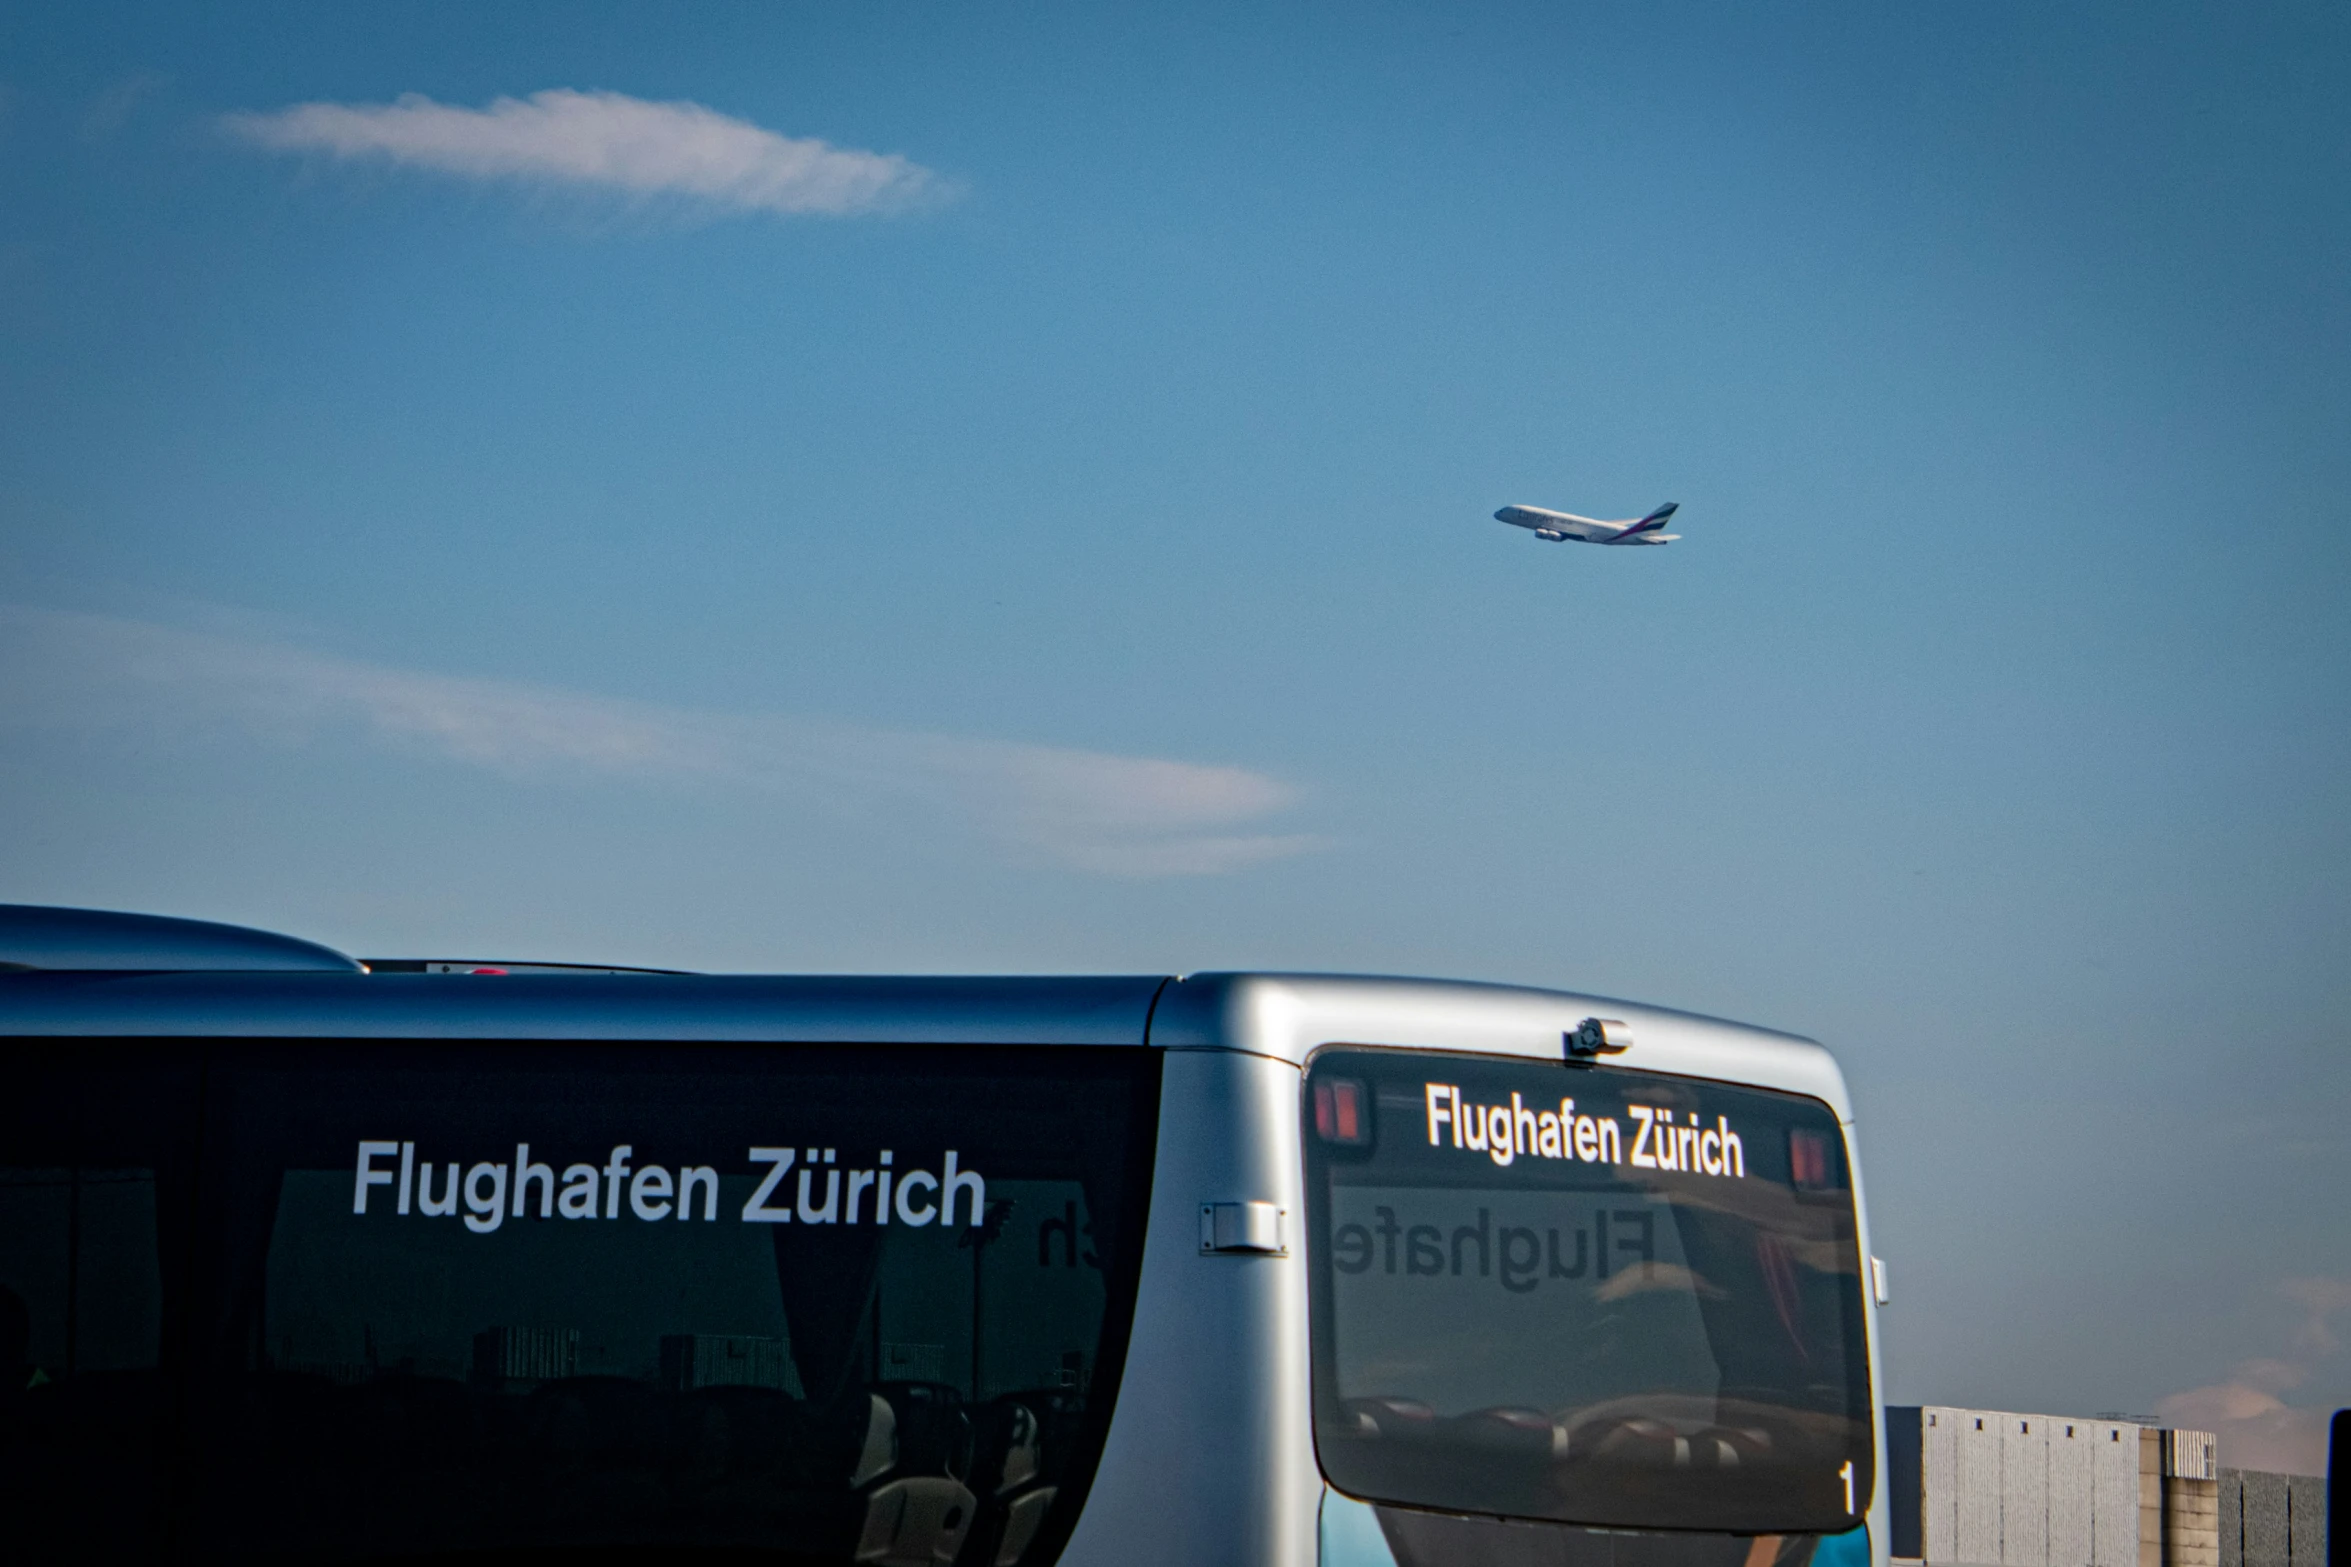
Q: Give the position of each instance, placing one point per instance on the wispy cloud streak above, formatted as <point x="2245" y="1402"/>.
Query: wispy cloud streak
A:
<point x="1092" y="810"/>
<point x="601" y="140"/>
<point x="113" y="108"/>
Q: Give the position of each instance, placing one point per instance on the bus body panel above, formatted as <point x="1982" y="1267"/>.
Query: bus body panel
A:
<point x="1881" y="1505"/>
<point x="829" y="1009"/>
<point x="1287" y="1017"/>
<point x="1290" y="1016"/>
<point x="1210" y="1456"/>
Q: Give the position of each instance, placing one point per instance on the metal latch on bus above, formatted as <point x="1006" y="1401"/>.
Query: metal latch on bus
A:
<point x="1253" y="1228"/>
<point x="1598" y="1036"/>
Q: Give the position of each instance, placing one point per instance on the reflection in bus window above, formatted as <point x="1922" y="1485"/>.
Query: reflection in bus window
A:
<point x="1594" y="1296"/>
<point x="854" y="1303"/>
<point x="77" y="1250"/>
<point x="85" y="1137"/>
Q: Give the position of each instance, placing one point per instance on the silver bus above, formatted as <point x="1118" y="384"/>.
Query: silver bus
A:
<point x="310" y="1258"/>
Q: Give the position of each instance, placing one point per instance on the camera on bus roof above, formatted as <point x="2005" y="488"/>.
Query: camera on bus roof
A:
<point x="1596" y="1036"/>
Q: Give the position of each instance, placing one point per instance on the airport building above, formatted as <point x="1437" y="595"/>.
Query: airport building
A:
<point x="1996" y="1488"/>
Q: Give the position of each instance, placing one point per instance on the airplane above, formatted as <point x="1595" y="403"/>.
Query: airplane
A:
<point x="1558" y="527"/>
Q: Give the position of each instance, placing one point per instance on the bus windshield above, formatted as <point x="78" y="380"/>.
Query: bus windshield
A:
<point x="1589" y="1295"/>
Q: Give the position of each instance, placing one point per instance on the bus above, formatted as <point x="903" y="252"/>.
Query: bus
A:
<point x="311" y="1258"/>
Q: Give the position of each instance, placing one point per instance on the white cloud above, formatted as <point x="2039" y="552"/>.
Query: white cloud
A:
<point x="604" y="140"/>
<point x="2257" y="1428"/>
<point x="1091" y="810"/>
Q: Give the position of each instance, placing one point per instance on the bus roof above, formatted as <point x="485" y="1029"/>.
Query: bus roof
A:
<point x="98" y="975"/>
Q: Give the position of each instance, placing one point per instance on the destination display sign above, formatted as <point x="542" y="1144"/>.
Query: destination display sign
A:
<point x="1506" y="1132"/>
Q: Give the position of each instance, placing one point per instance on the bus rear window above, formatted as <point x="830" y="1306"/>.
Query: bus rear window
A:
<point x="1593" y="1296"/>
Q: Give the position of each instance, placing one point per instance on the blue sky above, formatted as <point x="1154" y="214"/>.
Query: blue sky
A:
<point x="576" y="529"/>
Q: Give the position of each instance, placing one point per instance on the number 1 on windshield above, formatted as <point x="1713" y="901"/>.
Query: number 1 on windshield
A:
<point x="1845" y="1473"/>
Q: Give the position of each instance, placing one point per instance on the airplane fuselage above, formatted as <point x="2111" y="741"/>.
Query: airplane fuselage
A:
<point x="1559" y="527"/>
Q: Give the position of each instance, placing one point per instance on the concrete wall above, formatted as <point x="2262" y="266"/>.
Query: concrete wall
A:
<point x="1939" y="1494"/>
<point x="2073" y="1493"/>
<point x="2024" y="1493"/>
<point x="2114" y="1494"/>
<point x="1976" y="1487"/>
<point x="1996" y="1488"/>
<point x="1993" y="1488"/>
<point x="2191" y="1499"/>
<point x="2272" y="1520"/>
<point x="2191" y="1523"/>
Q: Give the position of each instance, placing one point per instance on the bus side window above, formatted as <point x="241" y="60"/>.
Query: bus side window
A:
<point x="86" y="1142"/>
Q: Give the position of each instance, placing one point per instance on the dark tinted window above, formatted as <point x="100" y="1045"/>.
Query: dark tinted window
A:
<point x="1589" y="1295"/>
<point x="96" y="1152"/>
<point x="855" y="1304"/>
